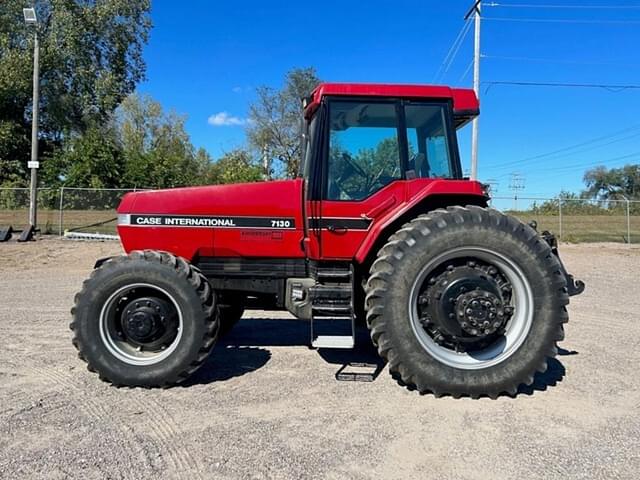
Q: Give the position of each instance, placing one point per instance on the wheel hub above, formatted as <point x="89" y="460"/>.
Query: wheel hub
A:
<point x="479" y="313"/>
<point x="145" y="321"/>
<point x="465" y="304"/>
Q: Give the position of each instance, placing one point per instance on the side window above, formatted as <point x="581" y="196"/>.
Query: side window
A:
<point x="363" y="149"/>
<point x="428" y="143"/>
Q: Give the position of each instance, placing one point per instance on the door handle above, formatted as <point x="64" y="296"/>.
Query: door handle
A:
<point x="334" y="229"/>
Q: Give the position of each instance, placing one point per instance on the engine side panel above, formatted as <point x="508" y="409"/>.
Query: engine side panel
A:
<point x="244" y="220"/>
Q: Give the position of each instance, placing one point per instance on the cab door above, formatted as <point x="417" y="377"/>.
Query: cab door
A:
<point x="363" y="169"/>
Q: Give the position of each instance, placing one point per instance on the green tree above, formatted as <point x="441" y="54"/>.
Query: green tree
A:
<point x="275" y="118"/>
<point x="236" y="166"/>
<point x="94" y="160"/>
<point x="613" y="184"/>
<point x="156" y="147"/>
<point x="90" y="59"/>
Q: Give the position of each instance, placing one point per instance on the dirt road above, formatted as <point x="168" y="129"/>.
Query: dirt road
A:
<point x="265" y="406"/>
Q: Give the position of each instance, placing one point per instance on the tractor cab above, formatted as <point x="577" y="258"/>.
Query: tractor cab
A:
<point x="369" y="135"/>
<point x="370" y="147"/>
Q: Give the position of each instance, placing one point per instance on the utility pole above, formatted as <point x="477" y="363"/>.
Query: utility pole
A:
<point x="30" y="18"/>
<point x="475" y="10"/>
<point x="492" y="185"/>
<point x="515" y="185"/>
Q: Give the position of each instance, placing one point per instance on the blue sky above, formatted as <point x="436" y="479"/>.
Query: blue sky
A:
<point x="205" y="58"/>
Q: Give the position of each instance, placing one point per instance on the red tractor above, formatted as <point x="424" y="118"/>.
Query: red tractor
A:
<point x="380" y="225"/>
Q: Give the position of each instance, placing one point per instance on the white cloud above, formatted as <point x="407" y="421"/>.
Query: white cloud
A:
<point x="236" y="89"/>
<point x="222" y="119"/>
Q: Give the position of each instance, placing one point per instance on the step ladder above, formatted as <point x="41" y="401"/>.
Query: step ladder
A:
<point x="332" y="319"/>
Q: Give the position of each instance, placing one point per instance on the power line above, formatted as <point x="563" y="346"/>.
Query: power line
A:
<point x="563" y="20"/>
<point x="554" y="155"/>
<point x="554" y="60"/>
<point x="571" y="169"/>
<point x="466" y="72"/>
<point x="452" y="52"/>
<point x="606" y="86"/>
<point x="577" y="7"/>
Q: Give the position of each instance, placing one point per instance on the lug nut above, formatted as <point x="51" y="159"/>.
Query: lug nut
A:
<point x="471" y="264"/>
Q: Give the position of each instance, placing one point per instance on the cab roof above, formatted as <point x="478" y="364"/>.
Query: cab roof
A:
<point x="465" y="102"/>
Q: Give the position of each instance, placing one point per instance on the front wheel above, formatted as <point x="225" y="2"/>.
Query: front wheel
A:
<point x="230" y="311"/>
<point x="466" y="301"/>
<point x="145" y="319"/>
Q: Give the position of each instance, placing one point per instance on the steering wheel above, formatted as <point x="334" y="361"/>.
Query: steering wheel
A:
<point x="349" y="161"/>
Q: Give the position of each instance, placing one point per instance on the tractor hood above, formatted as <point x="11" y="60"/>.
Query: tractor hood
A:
<point x="278" y="198"/>
<point x="246" y="219"/>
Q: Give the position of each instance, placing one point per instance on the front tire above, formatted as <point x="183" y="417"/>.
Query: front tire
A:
<point x="230" y="311"/>
<point x="466" y="301"/>
<point x="146" y="319"/>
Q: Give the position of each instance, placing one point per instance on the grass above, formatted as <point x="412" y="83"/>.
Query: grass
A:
<point x="587" y="228"/>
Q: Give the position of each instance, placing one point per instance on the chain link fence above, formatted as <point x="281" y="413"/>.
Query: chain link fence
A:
<point x="93" y="210"/>
<point x="578" y="220"/>
<point x="88" y="210"/>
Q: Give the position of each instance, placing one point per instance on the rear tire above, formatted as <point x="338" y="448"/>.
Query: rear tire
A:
<point x="521" y="346"/>
<point x="146" y="319"/>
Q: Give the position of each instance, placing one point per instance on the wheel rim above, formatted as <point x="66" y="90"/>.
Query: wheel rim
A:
<point x="488" y="350"/>
<point x="141" y="324"/>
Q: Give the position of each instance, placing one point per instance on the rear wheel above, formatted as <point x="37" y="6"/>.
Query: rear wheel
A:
<point x="466" y="301"/>
<point x="146" y="319"/>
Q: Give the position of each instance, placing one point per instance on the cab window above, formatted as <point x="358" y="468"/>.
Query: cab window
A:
<point x="364" y="155"/>
<point x="429" y="155"/>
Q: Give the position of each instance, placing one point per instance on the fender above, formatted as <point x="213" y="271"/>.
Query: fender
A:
<point x="416" y="191"/>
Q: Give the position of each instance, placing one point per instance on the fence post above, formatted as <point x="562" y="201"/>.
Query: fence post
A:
<point x="560" y="218"/>
<point x="61" y="210"/>
<point x="628" y="222"/>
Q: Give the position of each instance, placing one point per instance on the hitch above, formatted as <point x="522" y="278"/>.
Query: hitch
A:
<point x="574" y="287"/>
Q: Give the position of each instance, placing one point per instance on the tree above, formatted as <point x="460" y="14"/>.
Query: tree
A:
<point x="236" y="166"/>
<point x="94" y="160"/>
<point x="90" y="59"/>
<point x="613" y="184"/>
<point x="156" y="147"/>
<point x="275" y="118"/>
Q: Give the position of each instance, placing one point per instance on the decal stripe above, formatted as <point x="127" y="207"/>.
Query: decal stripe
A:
<point x="197" y="221"/>
<point x="341" y="223"/>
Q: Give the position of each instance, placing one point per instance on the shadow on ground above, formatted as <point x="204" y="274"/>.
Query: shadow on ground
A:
<point x="243" y="350"/>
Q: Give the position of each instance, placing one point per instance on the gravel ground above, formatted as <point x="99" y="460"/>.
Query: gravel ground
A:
<point x="265" y="406"/>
